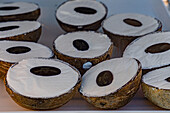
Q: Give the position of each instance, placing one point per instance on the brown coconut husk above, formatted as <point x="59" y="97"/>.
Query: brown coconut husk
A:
<point x="119" y="98"/>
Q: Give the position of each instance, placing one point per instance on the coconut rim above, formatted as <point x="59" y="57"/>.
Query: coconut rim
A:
<point x="112" y="93"/>
<point x="81" y="26"/>
<point x="110" y="47"/>
<point x="45" y="98"/>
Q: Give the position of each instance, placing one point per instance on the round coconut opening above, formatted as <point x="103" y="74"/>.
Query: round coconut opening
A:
<point x="45" y="71"/>
<point x="18" y="50"/>
<point x="104" y="78"/>
<point x="85" y="10"/>
<point x="133" y="22"/>
<point x="8" y="8"/>
<point x="7" y="28"/>
<point x="158" y="48"/>
<point x="168" y="79"/>
<point x="80" y="45"/>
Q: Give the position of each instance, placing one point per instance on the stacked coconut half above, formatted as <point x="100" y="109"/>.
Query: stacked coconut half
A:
<point x="111" y="84"/>
<point x="42" y="84"/>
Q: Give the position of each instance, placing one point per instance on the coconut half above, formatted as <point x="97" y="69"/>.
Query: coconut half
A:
<point x="111" y="84"/>
<point x="83" y="49"/>
<point x="156" y="87"/>
<point x="76" y="15"/>
<point x="152" y="51"/>
<point x="42" y="83"/>
<point x="17" y="11"/>
<point x="20" y="31"/>
<point x="15" y="51"/>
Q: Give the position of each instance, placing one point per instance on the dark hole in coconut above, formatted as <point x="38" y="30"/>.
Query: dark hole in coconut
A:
<point x="158" y="48"/>
<point x="168" y="79"/>
<point x="45" y="71"/>
<point x="85" y="10"/>
<point x="8" y="28"/>
<point x="104" y="78"/>
<point x="18" y="50"/>
<point x="80" y="45"/>
<point x="8" y="8"/>
<point x="132" y="22"/>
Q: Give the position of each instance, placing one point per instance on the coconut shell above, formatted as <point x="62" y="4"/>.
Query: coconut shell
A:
<point x="123" y="41"/>
<point x="78" y="62"/>
<point x="18" y="17"/>
<point x="90" y="27"/>
<point x="41" y="103"/>
<point x="119" y="98"/>
<point x="159" y="97"/>
<point x="32" y="36"/>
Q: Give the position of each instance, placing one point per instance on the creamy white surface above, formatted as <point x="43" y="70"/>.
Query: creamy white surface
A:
<point x="148" y="60"/>
<point x="24" y="27"/>
<point x="66" y="13"/>
<point x="37" y="50"/>
<point x="157" y="78"/>
<point x="24" y="7"/>
<point x="116" y="25"/>
<point x="123" y="70"/>
<point x="22" y="81"/>
<point x="98" y="44"/>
